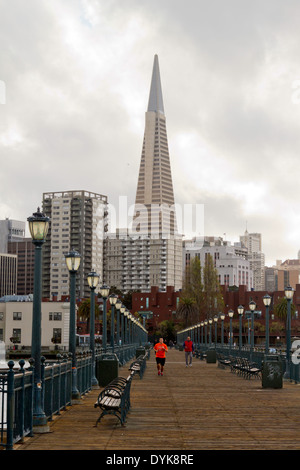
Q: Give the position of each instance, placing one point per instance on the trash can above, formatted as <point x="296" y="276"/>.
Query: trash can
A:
<point x="140" y="351"/>
<point x="272" y="372"/>
<point x="107" y="369"/>
<point x="211" y="356"/>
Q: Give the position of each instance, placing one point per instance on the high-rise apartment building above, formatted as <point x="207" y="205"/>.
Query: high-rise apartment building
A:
<point x="150" y="252"/>
<point x="77" y="221"/>
<point x="253" y="243"/>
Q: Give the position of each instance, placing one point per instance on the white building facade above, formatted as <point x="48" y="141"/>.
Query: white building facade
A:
<point x="16" y="322"/>
<point x="229" y="260"/>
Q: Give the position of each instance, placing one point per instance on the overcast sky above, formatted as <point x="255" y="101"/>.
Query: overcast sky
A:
<point x="74" y="87"/>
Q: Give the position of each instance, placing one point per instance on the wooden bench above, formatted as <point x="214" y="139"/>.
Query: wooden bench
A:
<point x="138" y="366"/>
<point x="115" y="399"/>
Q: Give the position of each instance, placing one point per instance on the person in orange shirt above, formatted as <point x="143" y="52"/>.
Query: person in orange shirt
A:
<point x="160" y="349"/>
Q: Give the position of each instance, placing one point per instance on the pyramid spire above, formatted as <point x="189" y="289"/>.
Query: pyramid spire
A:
<point x="155" y="98"/>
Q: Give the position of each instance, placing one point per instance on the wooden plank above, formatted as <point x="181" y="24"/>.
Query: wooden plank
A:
<point x="202" y="407"/>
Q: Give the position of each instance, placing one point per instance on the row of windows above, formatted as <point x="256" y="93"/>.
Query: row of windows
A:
<point x="53" y="316"/>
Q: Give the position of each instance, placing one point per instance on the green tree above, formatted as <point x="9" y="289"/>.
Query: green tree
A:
<point x="166" y="330"/>
<point x="213" y="299"/>
<point x="187" y="311"/>
<point x="280" y="308"/>
<point x="84" y="311"/>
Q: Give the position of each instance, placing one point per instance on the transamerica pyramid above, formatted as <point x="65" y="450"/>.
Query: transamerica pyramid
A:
<point x="150" y="252"/>
<point x="154" y="203"/>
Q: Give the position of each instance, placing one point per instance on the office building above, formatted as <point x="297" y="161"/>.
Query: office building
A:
<point x="24" y="250"/>
<point x="230" y="260"/>
<point x="10" y="230"/>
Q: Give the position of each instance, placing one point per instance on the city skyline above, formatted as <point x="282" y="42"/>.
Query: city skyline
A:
<point x="73" y="73"/>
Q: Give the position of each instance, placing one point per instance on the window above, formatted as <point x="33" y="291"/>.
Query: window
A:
<point x="55" y="316"/>
<point x="17" y="315"/>
<point x="56" y="338"/>
<point x="16" y="335"/>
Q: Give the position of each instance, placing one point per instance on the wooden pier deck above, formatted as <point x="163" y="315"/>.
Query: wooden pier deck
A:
<point x="202" y="407"/>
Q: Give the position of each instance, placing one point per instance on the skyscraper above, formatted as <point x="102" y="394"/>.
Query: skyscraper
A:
<point x="150" y="253"/>
<point x="154" y="203"/>
<point x="77" y="221"/>
<point x="253" y="242"/>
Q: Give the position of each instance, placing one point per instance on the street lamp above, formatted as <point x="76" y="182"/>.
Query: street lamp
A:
<point x="118" y="306"/>
<point x="112" y="299"/>
<point x="240" y="310"/>
<point x="216" y="331"/>
<point x="104" y="291"/>
<point x="210" y="323"/>
<point x="252" y="306"/>
<point x="289" y="292"/>
<point x="93" y="280"/>
<point x="73" y="259"/>
<point x="38" y="227"/>
<point x="267" y="302"/>
<point x="205" y="332"/>
<point x="230" y="314"/>
<point x="222" y="316"/>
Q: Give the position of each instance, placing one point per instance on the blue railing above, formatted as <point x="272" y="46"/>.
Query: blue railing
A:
<point x="16" y="389"/>
<point x="257" y="355"/>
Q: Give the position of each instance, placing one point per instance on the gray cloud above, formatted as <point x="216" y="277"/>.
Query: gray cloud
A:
<point x="77" y="78"/>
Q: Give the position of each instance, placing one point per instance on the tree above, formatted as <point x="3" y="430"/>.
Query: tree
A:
<point x="280" y="308"/>
<point x="84" y="311"/>
<point x="213" y="300"/>
<point x="187" y="311"/>
<point x="166" y="330"/>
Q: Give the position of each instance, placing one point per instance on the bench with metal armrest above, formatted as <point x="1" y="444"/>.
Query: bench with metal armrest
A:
<point x="115" y="399"/>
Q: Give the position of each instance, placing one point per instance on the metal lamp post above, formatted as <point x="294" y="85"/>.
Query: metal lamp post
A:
<point x="112" y="299"/>
<point x="73" y="259"/>
<point x="210" y="323"/>
<point x="118" y="306"/>
<point x="93" y="280"/>
<point x="205" y="332"/>
<point x="202" y="325"/>
<point x="216" y="330"/>
<point x="38" y="227"/>
<point x="252" y="306"/>
<point x="222" y="316"/>
<point x="267" y="302"/>
<point x="240" y="310"/>
<point x="230" y="314"/>
<point x="289" y="292"/>
<point x="104" y="291"/>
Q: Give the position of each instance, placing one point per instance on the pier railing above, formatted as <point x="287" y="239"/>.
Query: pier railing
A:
<point x="16" y="389"/>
